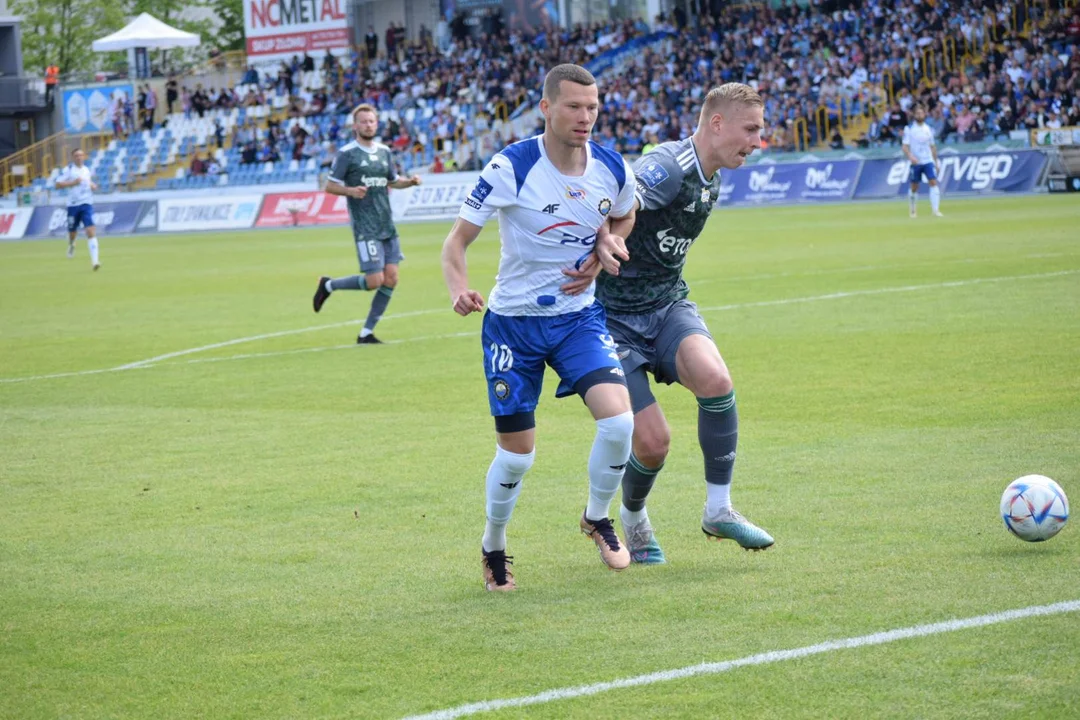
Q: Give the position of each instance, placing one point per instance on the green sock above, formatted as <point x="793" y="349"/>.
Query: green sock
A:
<point x="378" y="306"/>
<point x="352" y="282"/>
<point x="636" y="483"/>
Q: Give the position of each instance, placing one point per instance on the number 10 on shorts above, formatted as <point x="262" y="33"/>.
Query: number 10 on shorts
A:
<point x="502" y="358"/>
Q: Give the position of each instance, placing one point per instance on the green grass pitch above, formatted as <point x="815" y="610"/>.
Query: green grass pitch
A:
<point x="256" y="519"/>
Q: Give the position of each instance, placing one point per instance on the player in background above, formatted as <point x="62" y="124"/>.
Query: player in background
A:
<point x="658" y="330"/>
<point x="552" y="193"/>
<point x="362" y="172"/>
<point x="78" y="180"/>
<point x="921" y="152"/>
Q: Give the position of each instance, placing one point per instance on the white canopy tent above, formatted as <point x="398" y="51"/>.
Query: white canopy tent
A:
<point x="146" y="31"/>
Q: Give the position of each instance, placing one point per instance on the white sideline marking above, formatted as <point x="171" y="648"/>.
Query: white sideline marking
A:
<point x="244" y="356"/>
<point x="322" y="349"/>
<point x="883" y="291"/>
<point x="265" y="336"/>
<point x="880" y="638"/>
<point x="858" y="269"/>
<point x="151" y="362"/>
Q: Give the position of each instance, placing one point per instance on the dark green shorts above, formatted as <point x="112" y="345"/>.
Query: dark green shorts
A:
<point x="375" y="255"/>
<point x="652" y="339"/>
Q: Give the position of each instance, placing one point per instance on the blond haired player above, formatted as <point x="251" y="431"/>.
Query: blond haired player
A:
<point x="659" y="331"/>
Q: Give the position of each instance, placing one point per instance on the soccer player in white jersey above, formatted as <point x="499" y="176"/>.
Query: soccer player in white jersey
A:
<point x="921" y="152"/>
<point x="552" y="193"/>
<point x="78" y="179"/>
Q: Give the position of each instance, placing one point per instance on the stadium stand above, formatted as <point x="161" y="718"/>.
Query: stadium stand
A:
<point x="838" y="74"/>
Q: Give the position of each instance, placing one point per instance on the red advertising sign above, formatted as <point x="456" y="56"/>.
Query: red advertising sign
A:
<point x="13" y="222"/>
<point x="282" y="28"/>
<point x="297" y="43"/>
<point x="303" y="208"/>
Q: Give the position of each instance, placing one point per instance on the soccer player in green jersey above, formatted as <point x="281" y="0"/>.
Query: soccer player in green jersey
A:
<point x="658" y="330"/>
<point x="362" y="172"/>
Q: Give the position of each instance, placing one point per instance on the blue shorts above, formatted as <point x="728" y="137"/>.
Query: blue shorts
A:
<point x="517" y="348"/>
<point x="918" y="171"/>
<point x="80" y="215"/>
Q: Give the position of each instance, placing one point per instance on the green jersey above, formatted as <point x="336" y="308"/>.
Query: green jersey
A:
<point x="674" y="201"/>
<point x="371" y="167"/>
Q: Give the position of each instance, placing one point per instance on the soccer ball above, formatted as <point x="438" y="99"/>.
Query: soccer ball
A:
<point x="1034" y="508"/>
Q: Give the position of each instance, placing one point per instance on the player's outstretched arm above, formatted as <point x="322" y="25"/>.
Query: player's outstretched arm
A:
<point x="337" y="188"/>
<point x="611" y="241"/>
<point x="407" y="182"/>
<point x="455" y="269"/>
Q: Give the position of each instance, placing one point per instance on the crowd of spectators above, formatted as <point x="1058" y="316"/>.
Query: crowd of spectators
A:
<point x="983" y="68"/>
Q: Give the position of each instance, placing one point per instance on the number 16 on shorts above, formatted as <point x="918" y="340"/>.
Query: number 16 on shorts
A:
<point x="368" y="250"/>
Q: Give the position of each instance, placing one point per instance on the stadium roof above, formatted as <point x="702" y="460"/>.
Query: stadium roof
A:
<point x="148" y="32"/>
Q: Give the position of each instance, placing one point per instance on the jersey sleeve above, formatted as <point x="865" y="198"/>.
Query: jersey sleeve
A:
<point x="391" y="167"/>
<point x="906" y="140"/>
<point x="339" y="168"/>
<point x="658" y="179"/>
<point x="495" y="189"/>
<point x="624" y="203"/>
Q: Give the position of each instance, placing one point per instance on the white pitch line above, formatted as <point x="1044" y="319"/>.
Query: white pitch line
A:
<point x="858" y="269"/>
<point x="75" y="373"/>
<point x="879" y="638"/>
<point x="266" y="336"/>
<point x="150" y="362"/>
<point x="247" y="356"/>
<point x="883" y="291"/>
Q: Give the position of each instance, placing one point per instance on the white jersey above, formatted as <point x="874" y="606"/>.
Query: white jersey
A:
<point x="919" y="137"/>
<point x="547" y="222"/>
<point x="80" y="194"/>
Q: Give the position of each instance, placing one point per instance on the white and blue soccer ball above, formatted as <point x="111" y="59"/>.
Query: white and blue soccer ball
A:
<point x="1034" y="508"/>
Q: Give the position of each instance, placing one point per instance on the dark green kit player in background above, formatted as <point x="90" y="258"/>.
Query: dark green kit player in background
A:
<point x="658" y="330"/>
<point x="363" y="172"/>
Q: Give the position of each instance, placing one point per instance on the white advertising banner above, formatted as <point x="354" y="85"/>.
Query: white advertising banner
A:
<point x="438" y="198"/>
<point x="232" y="212"/>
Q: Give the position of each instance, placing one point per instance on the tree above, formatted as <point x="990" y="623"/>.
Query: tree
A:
<point x="60" y="32"/>
<point x="230" y="34"/>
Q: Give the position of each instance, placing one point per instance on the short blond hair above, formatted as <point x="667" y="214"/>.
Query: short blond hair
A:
<point x="727" y="94"/>
<point x="363" y="107"/>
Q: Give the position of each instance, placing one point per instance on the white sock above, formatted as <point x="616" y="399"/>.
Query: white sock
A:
<point x="507" y="469"/>
<point x="328" y="286"/>
<point x="607" y="461"/>
<point x="632" y="517"/>
<point x="912" y="197"/>
<point x="91" y="243"/>
<point x="935" y="197"/>
<point x="717" y="499"/>
<point x="365" y="332"/>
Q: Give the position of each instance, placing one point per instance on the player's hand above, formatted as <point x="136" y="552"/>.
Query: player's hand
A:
<point x="94" y="186"/>
<point x="415" y="180"/>
<point x="609" y="248"/>
<point x="359" y="192"/>
<point x="467" y="302"/>
<point x="583" y="276"/>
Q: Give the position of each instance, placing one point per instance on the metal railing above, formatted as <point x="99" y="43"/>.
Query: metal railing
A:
<point x="22" y="92"/>
<point x="38" y="160"/>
